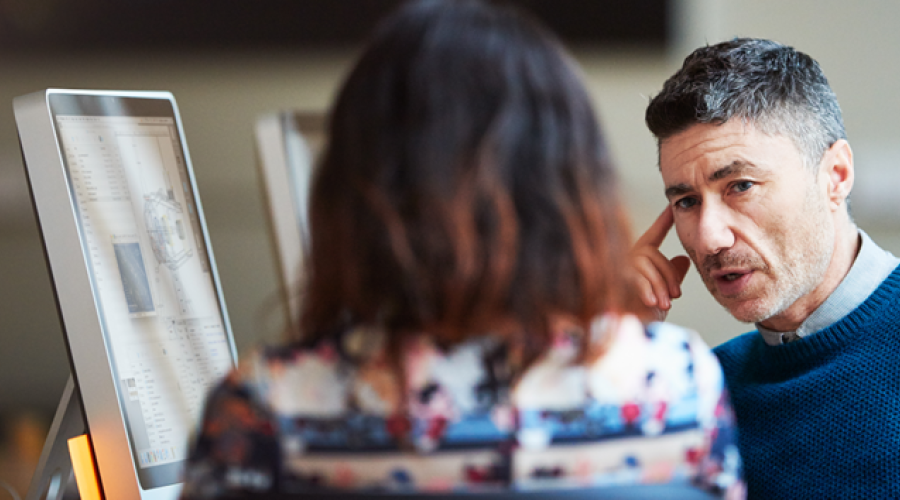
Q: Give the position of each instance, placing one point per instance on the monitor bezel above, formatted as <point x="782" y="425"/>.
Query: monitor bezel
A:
<point x="90" y="357"/>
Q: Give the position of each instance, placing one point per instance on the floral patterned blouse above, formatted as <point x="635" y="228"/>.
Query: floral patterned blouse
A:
<point x="651" y="409"/>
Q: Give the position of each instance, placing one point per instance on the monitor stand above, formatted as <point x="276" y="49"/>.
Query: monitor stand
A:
<point x="53" y="477"/>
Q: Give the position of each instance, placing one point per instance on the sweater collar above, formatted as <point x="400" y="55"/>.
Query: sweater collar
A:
<point x="843" y="332"/>
<point x="870" y="268"/>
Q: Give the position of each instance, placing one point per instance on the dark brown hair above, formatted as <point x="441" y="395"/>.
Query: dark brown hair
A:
<point x="466" y="188"/>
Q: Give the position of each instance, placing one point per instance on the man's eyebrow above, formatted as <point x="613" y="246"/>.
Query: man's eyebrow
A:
<point x="734" y="168"/>
<point x="678" y="190"/>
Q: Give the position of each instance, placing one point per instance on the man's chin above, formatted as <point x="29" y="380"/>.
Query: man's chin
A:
<point x="747" y="311"/>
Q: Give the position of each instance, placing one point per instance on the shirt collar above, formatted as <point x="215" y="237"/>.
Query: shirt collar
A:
<point x="871" y="266"/>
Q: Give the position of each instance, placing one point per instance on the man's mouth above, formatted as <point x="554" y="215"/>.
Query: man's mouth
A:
<point x="730" y="274"/>
<point x="732" y="282"/>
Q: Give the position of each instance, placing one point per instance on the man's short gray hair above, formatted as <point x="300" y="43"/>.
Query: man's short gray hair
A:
<point x="774" y="87"/>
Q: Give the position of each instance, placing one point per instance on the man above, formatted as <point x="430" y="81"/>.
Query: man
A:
<point x="757" y="171"/>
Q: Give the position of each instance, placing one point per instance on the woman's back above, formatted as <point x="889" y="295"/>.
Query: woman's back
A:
<point x="331" y="416"/>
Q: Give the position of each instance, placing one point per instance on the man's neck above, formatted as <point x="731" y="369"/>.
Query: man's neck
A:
<point x="845" y="252"/>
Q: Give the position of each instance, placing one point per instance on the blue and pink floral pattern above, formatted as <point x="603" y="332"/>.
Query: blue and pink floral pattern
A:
<point x="650" y="409"/>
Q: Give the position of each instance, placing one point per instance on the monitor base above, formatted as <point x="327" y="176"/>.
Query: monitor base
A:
<point x="53" y="477"/>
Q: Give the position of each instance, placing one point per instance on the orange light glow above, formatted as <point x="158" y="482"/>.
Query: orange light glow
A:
<point x="83" y="465"/>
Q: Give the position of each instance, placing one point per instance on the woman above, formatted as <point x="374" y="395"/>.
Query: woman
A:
<point x="467" y="323"/>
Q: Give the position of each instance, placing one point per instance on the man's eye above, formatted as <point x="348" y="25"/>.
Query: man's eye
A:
<point x="685" y="203"/>
<point x="742" y="186"/>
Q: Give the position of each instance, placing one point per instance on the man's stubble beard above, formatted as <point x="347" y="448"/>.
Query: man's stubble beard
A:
<point x="801" y="270"/>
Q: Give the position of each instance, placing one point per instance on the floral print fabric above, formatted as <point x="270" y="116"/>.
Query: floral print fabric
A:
<point x="651" y="409"/>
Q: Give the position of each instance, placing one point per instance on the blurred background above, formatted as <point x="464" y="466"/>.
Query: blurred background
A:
<point x="229" y="64"/>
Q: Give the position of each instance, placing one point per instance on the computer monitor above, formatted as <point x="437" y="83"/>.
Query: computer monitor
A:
<point x="135" y="280"/>
<point x="287" y="144"/>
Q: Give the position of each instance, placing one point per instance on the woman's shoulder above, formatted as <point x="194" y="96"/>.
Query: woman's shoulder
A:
<point x="652" y="345"/>
<point x="653" y="361"/>
<point x="636" y="362"/>
<point x="302" y="378"/>
<point x="629" y="329"/>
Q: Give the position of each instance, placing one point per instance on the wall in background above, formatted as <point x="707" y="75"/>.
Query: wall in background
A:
<point x="267" y="24"/>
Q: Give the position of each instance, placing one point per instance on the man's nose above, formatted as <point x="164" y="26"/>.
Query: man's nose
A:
<point x="715" y="232"/>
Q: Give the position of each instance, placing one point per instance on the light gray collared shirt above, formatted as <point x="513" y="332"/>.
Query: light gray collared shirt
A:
<point x="871" y="267"/>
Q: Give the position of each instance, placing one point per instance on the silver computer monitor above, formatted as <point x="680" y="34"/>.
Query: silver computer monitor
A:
<point x="287" y="144"/>
<point x="134" y="276"/>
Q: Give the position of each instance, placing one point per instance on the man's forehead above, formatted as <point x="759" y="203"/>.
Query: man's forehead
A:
<point x="713" y="146"/>
<point x="705" y="139"/>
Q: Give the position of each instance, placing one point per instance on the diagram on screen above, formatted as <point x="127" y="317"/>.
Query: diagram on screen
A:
<point x="149" y="163"/>
<point x="165" y="226"/>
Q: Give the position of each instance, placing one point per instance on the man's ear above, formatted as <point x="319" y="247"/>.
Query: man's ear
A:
<point x="837" y="165"/>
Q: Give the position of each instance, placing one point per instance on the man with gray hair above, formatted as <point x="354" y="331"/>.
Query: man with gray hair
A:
<point x="757" y="171"/>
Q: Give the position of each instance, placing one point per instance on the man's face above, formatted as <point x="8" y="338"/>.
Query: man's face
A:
<point x="752" y="217"/>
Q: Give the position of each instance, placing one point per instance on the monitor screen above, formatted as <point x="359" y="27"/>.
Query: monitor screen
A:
<point x="288" y="144"/>
<point x="149" y="269"/>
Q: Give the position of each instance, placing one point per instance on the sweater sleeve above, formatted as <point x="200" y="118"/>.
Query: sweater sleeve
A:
<point x="236" y="448"/>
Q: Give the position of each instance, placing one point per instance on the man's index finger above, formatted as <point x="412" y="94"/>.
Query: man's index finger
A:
<point x="656" y="234"/>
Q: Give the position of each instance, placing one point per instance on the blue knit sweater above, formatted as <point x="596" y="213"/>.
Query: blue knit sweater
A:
<point x="819" y="418"/>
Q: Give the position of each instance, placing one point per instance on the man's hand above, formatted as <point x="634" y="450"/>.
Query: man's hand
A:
<point x="658" y="278"/>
